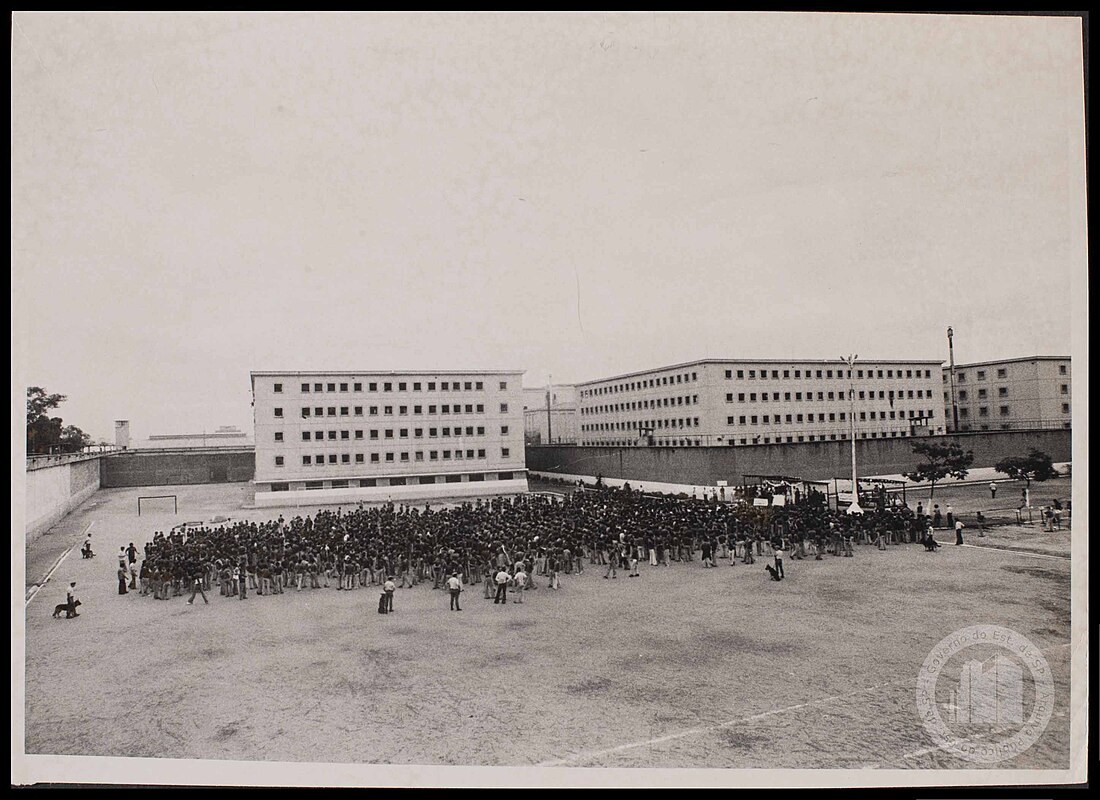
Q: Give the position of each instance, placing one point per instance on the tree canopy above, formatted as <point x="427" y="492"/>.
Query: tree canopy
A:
<point x="940" y="461"/>
<point x="1035" y="466"/>
<point x="46" y="434"/>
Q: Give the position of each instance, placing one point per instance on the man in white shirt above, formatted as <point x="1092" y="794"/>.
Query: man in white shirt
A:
<point x="779" y="561"/>
<point x="959" y="531"/>
<point x="502" y="579"/>
<point x="454" y="586"/>
<point x="520" y="580"/>
<point x="72" y="600"/>
<point x="389" y="587"/>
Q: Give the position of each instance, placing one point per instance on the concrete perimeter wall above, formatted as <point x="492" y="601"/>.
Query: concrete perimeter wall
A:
<point x="176" y="467"/>
<point x="53" y="491"/>
<point x="704" y="466"/>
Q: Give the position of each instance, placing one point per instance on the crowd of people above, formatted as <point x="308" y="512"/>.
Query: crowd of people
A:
<point x="512" y="544"/>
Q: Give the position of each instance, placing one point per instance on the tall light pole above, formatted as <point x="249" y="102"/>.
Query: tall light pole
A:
<point x="954" y="401"/>
<point x="549" y="432"/>
<point x="854" y="508"/>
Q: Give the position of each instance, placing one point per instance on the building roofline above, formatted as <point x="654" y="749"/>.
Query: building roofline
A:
<point x="1011" y="361"/>
<point x="377" y="372"/>
<point x="792" y="361"/>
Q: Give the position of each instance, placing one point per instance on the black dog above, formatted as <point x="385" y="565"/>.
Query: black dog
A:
<point x="930" y="544"/>
<point x="65" y="607"/>
<point x="773" y="572"/>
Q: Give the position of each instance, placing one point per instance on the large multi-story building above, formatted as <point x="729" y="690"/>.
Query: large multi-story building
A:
<point x="1012" y="394"/>
<point x="348" y="436"/>
<point x="716" y="402"/>
<point x="559" y="425"/>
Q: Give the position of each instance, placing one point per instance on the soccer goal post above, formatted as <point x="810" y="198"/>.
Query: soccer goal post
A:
<point x="172" y="497"/>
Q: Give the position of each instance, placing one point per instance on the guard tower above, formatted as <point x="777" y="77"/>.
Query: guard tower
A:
<point x="122" y="434"/>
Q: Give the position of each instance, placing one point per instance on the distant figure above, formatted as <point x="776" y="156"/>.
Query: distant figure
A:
<point x="950" y="516"/>
<point x="454" y="587"/>
<point x="981" y="524"/>
<point x="959" y="532"/>
<point x="122" y="575"/>
<point x="937" y="517"/>
<point x="992" y="490"/>
<point x="72" y="601"/>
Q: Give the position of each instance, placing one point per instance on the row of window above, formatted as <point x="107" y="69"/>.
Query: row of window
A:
<point x="983" y="411"/>
<point x="883" y="394"/>
<point x="753" y="374"/>
<point x="322" y="459"/>
<point x="686" y="422"/>
<point x="475" y="477"/>
<point x="826" y="374"/>
<point x="658" y="402"/>
<point x="790" y="419"/>
<point x="388" y="411"/>
<point x="387" y="386"/>
<point x="753" y="439"/>
<point x="389" y="433"/>
<point x="1002" y="372"/>
<point x="647" y="383"/>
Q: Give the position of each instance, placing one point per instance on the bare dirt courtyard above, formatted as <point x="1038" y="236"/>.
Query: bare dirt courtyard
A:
<point x="682" y="667"/>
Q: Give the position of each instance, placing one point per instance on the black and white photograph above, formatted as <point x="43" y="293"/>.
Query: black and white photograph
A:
<point x="680" y="399"/>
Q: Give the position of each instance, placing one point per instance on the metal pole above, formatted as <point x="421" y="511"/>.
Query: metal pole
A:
<point x="549" y="432"/>
<point x="951" y="372"/>
<point x="854" y="508"/>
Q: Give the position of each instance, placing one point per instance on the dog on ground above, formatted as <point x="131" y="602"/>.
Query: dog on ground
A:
<point x="65" y="607"/>
<point x="773" y="572"/>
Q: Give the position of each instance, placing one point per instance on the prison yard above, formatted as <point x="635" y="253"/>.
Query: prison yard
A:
<point x="681" y="667"/>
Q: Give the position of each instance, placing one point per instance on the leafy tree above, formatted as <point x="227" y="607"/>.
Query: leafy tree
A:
<point x="46" y="433"/>
<point x="940" y="461"/>
<point x="1035" y="466"/>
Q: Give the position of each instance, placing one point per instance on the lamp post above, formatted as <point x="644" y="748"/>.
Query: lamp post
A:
<point x="954" y="401"/>
<point x="854" y="508"/>
<point x="549" y="431"/>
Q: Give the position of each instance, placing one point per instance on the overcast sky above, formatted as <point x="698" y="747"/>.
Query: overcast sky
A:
<point x="198" y="196"/>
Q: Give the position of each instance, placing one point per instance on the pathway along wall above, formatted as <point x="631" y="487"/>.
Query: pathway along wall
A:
<point x="56" y="489"/>
<point x="705" y="466"/>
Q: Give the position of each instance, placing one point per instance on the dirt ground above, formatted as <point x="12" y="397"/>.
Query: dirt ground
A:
<point x="682" y="667"/>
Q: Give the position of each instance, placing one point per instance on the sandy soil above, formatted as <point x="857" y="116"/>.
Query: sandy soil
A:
<point x="682" y="667"/>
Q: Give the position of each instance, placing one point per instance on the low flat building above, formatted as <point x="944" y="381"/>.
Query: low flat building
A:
<point x="716" y="402"/>
<point x="350" y="436"/>
<point x="225" y="436"/>
<point x="1011" y="394"/>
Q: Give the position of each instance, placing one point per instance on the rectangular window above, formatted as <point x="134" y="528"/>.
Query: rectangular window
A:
<point x="278" y="388"/>
<point x="318" y="387"/>
<point x="433" y="455"/>
<point x="343" y="387"/>
<point x="401" y="386"/>
<point x="306" y="460"/>
<point x="305" y="436"/>
<point x="389" y="457"/>
<point x="372" y="387"/>
<point x="503" y="430"/>
<point x="305" y="388"/>
<point x="278" y="461"/>
<point x="389" y="433"/>
<point x="505" y="452"/>
<point x="345" y="435"/>
<point x="358" y="411"/>
<point x="278" y="436"/>
<point x="278" y="412"/>
<point x="1004" y="411"/>
<point x="374" y="458"/>
<point x="1002" y="392"/>
<point x="358" y="387"/>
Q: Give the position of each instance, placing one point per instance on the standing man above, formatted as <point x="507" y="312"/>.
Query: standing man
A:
<point x="196" y="588"/>
<point x="72" y="600"/>
<point x="959" y="531"/>
<point x="389" y="587"/>
<point x="981" y="524"/>
<point x="122" y="573"/>
<point x="779" y="561"/>
<point x="520" y="581"/>
<point x="992" y="490"/>
<point x="502" y="578"/>
<point x="950" y="516"/>
<point x="454" y="587"/>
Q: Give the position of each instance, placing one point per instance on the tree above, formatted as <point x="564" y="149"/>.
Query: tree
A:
<point x="940" y="461"/>
<point x="46" y="433"/>
<point x="1035" y="466"/>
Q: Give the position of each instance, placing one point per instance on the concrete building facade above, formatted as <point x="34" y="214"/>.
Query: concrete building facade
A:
<point x="560" y="426"/>
<point x="715" y="402"/>
<point x="348" y="436"/>
<point x="1010" y="394"/>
